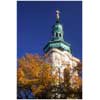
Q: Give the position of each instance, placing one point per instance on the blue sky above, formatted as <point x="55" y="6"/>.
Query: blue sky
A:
<point x="35" y="20"/>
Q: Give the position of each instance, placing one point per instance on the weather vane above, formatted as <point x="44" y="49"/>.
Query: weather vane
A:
<point x="57" y="15"/>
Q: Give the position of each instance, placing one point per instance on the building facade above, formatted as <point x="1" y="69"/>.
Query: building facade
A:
<point x="59" y="52"/>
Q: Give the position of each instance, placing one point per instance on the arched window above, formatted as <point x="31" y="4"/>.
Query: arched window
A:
<point x="59" y="35"/>
<point x="56" y="34"/>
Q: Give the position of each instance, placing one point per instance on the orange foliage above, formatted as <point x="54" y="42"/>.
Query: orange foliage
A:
<point x="73" y="81"/>
<point x="33" y="72"/>
<point x="77" y="82"/>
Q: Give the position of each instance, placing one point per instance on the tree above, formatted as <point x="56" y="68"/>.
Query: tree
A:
<point x="33" y="73"/>
<point x="73" y="83"/>
<point x="35" y="80"/>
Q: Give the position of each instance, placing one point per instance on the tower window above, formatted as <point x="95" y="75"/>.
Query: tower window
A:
<point x="56" y="34"/>
<point x="60" y="35"/>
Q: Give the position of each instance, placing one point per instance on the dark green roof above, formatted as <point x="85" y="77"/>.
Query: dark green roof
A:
<point x="62" y="45"/>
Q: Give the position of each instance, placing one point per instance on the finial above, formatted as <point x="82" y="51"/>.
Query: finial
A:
<point x="57" y="15"/>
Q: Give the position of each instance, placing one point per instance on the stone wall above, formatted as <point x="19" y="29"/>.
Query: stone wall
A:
<point x="60" y="60"/>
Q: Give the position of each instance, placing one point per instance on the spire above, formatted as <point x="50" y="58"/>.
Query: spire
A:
<point x="57" y="29"/>
<point x="57" y="40"/>
<point x="57" y="16"/>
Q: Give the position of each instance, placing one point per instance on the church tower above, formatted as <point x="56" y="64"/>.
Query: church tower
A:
<point x="57" y="40"/>
<point x="59" y="52"/>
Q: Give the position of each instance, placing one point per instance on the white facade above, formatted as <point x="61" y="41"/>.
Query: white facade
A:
<point x="60" y="60"/>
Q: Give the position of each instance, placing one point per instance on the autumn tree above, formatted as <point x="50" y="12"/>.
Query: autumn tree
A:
<point x="35" y="78"/>
<point x="33" y="73"/>
<point x="73" y="83"/>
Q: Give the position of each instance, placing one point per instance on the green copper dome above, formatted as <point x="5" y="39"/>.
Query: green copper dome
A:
<point x="57" y="40"/>
<point x="57" y="32"/>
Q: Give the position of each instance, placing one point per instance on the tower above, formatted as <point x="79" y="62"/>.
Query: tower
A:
<point x="59" y="52"/>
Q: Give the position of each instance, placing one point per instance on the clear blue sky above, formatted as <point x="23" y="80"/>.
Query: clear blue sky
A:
<point x="34" y="22"/>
